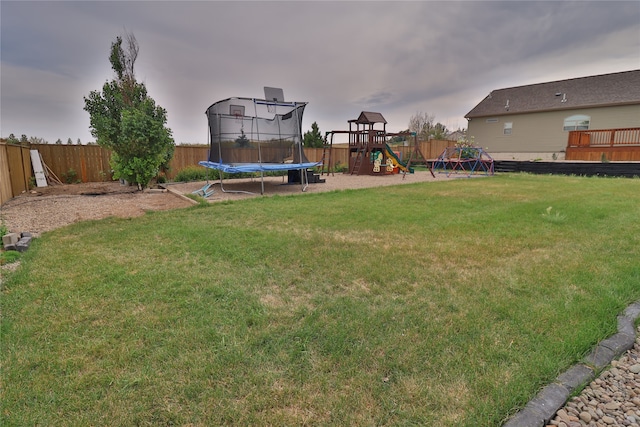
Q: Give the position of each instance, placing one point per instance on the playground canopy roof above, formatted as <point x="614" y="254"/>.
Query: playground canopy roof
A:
<point x="368" y="118"/>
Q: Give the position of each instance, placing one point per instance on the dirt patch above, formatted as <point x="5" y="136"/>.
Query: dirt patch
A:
<point x="279" y="185"/>
<point x="45" y="209"/>
<point x="86" y="189"/>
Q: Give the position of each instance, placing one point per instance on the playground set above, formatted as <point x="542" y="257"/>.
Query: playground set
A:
<point x="265" y="135"/>
<point x="369" y="150"/>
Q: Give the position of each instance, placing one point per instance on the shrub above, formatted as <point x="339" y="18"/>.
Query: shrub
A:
<point x="195" y="173"/>
<point x="340" y="168"/>
<point x="70" y="177"/>
<point x="198" y="173"/>
<point x="3" y="230"/>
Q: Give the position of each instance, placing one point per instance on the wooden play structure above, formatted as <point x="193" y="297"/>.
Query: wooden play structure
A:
<point x="369" y="150"/>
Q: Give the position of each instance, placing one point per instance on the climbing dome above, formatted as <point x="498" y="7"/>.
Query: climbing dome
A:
<point x="464" y="160"/>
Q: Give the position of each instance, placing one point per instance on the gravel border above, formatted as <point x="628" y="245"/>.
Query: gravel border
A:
<point x="549" y="402"/>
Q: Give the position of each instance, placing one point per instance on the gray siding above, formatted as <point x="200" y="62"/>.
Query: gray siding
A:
<point x="543" y="131"/>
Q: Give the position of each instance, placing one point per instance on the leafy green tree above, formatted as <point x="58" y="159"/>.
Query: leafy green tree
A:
<point x="127" y="121"/>
<point x="439" y="131"/>
<point x="400" y="139"/>
<point x="313" y="138"/>
<point x="12" y="139"/>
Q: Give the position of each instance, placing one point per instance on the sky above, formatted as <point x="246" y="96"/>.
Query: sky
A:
<point x="396" y="58"/>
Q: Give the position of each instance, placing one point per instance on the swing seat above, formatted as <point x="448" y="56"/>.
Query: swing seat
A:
<point x="204" y="191"/>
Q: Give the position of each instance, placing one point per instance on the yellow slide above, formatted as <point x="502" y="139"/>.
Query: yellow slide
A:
<point x="396" y="161"/>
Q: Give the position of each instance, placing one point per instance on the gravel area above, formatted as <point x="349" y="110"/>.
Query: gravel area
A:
<point x="45" y="209"/>
<point x="53" y="207"/>
<point x="613" y="399"/>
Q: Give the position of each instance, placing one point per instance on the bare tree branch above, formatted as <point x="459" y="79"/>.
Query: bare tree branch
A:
<point x="130" y="54"/>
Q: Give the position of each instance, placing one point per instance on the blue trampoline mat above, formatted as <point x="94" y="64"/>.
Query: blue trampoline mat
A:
<point x="257" y="167"/>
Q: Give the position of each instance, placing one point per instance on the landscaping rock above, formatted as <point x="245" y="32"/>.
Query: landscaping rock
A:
<point x="612" y="399"/>
<point x="23" y="244"/>
<point x="585" y="416"/>
<point x="10" y="239"/>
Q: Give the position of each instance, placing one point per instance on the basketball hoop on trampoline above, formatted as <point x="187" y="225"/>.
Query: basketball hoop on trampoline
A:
<point x="237" y="111"/>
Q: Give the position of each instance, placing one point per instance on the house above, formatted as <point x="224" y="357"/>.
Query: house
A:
<point x="456" y="135"/>
<point x="533" y="121"/>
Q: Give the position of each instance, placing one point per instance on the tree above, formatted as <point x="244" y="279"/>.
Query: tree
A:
<point x="58" y="141"/>
<point x="400" y="139"/>
<point x="37" y="140"/>
<point x="423" y="125"/>
<point x="439" y="131"/>
<point x="78" y="142"/>
<point x="12" y="139"/>
<point x="242" y="141"/>
<point x="127" y="121"/>
<point x="69" y="141"/>
<point x="313" y="138"/>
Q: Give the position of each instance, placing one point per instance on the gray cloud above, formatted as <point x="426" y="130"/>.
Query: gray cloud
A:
<point x="342" y="57"/>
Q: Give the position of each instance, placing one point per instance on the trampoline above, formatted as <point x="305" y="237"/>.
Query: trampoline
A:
<point x="256" y="135"/>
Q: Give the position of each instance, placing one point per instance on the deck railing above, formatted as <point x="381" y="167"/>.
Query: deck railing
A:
<point x="604" y="137"/>
<point x="599" y="144"/>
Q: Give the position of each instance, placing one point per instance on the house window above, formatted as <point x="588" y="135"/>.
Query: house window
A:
<point x="577" y="122"/>
<point x="507" y="128"/>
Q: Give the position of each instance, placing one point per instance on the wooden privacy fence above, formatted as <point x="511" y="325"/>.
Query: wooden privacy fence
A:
<point x="15" y="170"/>
<point x="90" y="163"/>
<point x="85" y="163"/>
<point x="185" y="156"/>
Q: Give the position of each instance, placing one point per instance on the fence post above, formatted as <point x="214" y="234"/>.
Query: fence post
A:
<point x="5" y="177"/>
<point x="18" y="168"/>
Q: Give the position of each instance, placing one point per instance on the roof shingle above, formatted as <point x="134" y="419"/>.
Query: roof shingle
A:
<point x="583" y="92"/>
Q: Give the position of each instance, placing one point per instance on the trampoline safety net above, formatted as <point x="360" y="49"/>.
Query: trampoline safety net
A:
<point x="250" y="134"/>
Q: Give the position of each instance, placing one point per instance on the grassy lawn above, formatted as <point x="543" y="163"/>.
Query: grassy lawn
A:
<point x="442" y="304"/>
